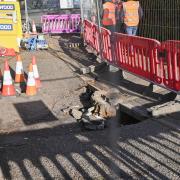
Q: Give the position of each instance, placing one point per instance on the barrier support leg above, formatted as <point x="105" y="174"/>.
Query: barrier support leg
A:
<point x="172" y="96"/>
<point x="98" y="59"/>
<point x="114" y="69"/>
<point x="151" y="89"/>
<point x="170" y="107"/>
<point x="177" y="97"/>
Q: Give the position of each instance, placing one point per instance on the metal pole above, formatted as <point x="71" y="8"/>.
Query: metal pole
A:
<point x="98" y="13"/>
<point x="82" y="14"/>
<point x="27" y="17"/>
<point x="99" y="27"/>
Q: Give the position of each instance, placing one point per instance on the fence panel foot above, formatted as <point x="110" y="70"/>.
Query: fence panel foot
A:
<point x="152" y="88"/>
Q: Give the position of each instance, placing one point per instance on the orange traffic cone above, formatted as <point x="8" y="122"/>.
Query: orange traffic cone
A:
<point x="34" y="31"/>
<point x="36" y="73"/>
<point x="19" y="70"/>
<point x="31" y="84"/>
<point x="8" y="87"/>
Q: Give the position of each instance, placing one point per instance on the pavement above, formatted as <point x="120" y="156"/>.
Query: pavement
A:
<point x="38" y="141"/>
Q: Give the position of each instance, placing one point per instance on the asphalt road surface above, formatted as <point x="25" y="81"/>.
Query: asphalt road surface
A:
<point x="37" y="141"/>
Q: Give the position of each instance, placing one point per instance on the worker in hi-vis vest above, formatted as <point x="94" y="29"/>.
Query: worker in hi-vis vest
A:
<point x="119" y="22"/>
<point x="109" y="15"/>
<point x="131" y="14"/>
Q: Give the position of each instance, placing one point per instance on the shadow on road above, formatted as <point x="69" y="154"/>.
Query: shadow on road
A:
<point x="34" y="112"/>
<point x="67" y="152"/>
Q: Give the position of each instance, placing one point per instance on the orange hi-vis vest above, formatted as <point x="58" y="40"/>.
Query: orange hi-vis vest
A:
<point x="131" y="15"/>
<point x="109" y="14"/>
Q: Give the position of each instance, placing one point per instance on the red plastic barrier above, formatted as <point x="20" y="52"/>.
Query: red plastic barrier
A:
<point x="136" y="54"/>
<point x="91" y="35"/>
<point x="171" y="64"/>
<point x="88" y="32"/>
<point x="147" y="58"/>
<point x="95" y="34"/>
<point x="106" y="44"/>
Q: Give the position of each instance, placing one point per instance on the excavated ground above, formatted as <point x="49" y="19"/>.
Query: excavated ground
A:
<point x="38" y="141"/>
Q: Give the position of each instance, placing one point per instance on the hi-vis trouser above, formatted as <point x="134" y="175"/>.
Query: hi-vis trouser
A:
<point x="10" y="25"/>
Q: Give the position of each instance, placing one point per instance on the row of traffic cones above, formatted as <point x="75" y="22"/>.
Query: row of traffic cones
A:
<point x="33" y="81"/>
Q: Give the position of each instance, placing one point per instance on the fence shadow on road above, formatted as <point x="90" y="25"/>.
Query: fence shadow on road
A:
<point x="149" y="151"/>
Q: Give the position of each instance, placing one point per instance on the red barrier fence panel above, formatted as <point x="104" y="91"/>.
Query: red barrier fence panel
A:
<point x="96" y="38"/>
<point x="91" y="35"/>
<point x="147" y="58"/>
<point x="171" y="64"/>
<point x="137" y="55"/>
<point x="88" y="33"/>
<point x="106" y="45"/>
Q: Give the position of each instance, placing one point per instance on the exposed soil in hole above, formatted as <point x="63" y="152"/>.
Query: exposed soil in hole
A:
<point x="97" y="110"/>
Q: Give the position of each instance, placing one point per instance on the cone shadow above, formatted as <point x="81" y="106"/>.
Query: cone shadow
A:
<point x="23" y="87"/>
<point x="34" y="112"/>
<point x="13" y="73"/>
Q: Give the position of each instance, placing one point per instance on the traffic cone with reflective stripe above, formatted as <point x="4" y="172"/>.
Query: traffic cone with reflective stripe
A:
<point x="8" y="87"/>
<point x="36" y="73"/>
<point x="34" y="31"/>
<point x="31" y="84"/>
<point x="19" y="78"/>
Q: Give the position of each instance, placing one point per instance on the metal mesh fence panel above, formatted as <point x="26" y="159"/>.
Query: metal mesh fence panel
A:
<point x="161" y="19"/>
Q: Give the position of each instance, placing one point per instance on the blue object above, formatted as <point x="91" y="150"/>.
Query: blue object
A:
<point x="31" y="44"/>
<point x="42" y="44"/>
<point x="34" y="43"/>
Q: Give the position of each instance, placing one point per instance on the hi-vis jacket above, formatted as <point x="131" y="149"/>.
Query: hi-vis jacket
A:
<point x="131" y="13"/>
<point x="109" y="18"/>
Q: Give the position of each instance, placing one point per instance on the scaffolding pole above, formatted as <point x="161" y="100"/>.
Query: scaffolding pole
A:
<point x="27" y="17"/>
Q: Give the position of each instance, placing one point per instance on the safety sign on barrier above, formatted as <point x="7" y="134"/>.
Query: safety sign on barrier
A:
<point x="6" y="27"/>
<point x="7" y="7"/>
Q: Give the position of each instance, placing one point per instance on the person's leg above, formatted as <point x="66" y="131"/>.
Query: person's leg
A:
<point x="107" y="27"/>
<point x="131" y="31"/>
<point x="128" y="30"/>
<point x="112" y="28"/>
<point x="134" y="30"/>
<point x="119" y="26"/>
